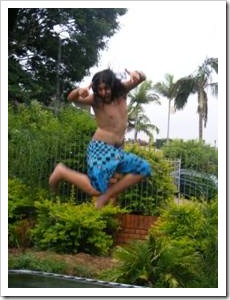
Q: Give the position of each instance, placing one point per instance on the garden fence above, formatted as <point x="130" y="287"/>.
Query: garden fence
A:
<point x="23" y="164"/>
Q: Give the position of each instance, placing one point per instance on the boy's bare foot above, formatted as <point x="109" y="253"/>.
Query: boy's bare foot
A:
<point x="56" y="176"/>
<point x="101" y="201"/>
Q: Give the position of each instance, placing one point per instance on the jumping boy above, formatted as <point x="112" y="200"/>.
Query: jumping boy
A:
<point x="105" y="154"/>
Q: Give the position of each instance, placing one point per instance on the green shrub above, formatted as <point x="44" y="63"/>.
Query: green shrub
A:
<point x="181" y="250"/>
<point x="67" y="228"/>
<point x="38" y="139"/>
<point x="21" y="212"/>
<point x="20" y="202"/>
<point x="194" y="155"/>
<point x="134" y="261"/>
<point x="19" y="233"/>
<point x="193" y="226"/>
<point x="156" y="263"/>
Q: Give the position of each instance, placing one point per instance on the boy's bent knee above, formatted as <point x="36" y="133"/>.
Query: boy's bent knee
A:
<point x="93" y="192"/>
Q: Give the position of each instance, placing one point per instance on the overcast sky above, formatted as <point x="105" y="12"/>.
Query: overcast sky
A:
<point x="170" y="37"/>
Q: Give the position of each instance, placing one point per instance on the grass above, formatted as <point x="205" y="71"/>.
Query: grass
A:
<point x="50" y="262"/>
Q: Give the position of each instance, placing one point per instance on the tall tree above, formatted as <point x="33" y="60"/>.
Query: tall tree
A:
<point x="137" y="120"/>
<point x="166" y="89"/>
<point x="12" y="17"/>
<point x="55" y="48"/>
<point x="198" y="83"/>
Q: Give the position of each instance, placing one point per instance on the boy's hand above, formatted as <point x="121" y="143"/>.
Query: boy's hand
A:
<point x="135" y="76"/>
<point x="83" y="92"/>
<point x="82" y="95"/>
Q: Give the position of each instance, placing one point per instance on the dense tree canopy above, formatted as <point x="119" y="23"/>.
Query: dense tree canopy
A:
<point x="51" y="49"/>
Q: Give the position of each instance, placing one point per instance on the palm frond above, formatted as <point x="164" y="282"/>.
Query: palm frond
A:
<point x="166" y="88"/>
<point x="143" y="94"/>
<point x="137" y="119"/>
<point x="213" y="63"/>
<point x="182" y="89"/>
<point x="134" y="260"/>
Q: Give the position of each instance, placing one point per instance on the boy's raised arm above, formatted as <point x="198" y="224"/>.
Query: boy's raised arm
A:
<point x="81" y="95"/>
<point x="136" y="77"/>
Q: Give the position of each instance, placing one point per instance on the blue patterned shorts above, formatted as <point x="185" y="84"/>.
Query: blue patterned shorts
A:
<point x="103" y="160"/>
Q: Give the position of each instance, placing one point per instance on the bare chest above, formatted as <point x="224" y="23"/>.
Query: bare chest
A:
<point x="116" y="110"/>
<point x="113" y="112"/>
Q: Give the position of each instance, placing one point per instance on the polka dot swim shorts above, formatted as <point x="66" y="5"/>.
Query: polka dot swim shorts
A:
<point x="103" y="160"/>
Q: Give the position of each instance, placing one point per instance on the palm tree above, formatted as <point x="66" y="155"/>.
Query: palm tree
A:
<point x="166" y="89"/>
<point x="137" y="120"/>
<point x="198" y="83"/>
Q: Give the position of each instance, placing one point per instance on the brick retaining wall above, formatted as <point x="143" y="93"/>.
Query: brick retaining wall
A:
<point x="133" y="227"/>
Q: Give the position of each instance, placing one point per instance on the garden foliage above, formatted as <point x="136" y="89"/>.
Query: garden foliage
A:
<point x="194" y="155"/>
<point x="198" y="175"/>
<point x="70" y="228"/>
<point x="181" y="250"/>
<point x="21" y="211"/>
<point x="35" y="220"/>
<point x="38" y="140"/>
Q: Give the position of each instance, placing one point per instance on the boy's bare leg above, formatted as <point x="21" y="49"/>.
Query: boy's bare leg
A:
<point x="112" y="181"/>
<point x="80" y="180"/>
<point x="127" y="181"/>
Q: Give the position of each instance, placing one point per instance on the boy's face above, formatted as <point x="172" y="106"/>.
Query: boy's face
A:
<point x="104" y="92"/>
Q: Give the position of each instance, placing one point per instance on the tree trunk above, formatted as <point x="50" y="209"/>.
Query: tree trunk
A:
<point x="12" y="19"/>
<point x="58" y="92"/>
<point x="168" y="125"/>
<point x="200" y="126"/>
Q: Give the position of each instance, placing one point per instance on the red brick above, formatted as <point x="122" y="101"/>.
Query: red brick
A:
<point x="133" y="227"/>
<point x="129" y="230"/>
<point x="132" y="221"/>
<point x="141" y="231"/>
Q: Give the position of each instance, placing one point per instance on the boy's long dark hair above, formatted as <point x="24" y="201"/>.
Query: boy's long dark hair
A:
<point x="108" y="77"/>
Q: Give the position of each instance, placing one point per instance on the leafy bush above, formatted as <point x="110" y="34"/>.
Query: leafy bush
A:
<point x="154" y="263"/>
<point x="193" y="225"/>
<point x="67" y="228"/>
<point x="194" y="155"/>
<point x="38" y="139"/>
<point x="134" y="264"/>
<point x="181" y="251"/>
<point x="20" y="202"/>
<point x="21" y="211"/>
<point x="148" y="196"/>
<point x="63" y="227"/>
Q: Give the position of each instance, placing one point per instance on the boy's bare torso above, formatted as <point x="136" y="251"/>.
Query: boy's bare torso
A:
<point x="111" y="116"/>
<point x="112" y="121"/>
